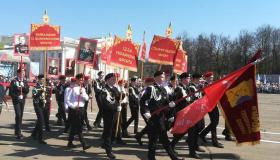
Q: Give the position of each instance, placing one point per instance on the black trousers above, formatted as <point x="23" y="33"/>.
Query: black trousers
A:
<point x="134" y="117"/>
<point x="46" y="114"/>
<point x="156" y="129"/>
<point x="109" y="121"/>
<point x="38" y="130"/>
<point x="214" y="121"/>
<point x="76" y="118"/>
<point x="192" y="137"/>
<point x="99" y="114"/>
<point x="61" y="112"/>
<point x="124" y="117"/>
<point x="86" y="114"/>
<point x="19" y="108"/>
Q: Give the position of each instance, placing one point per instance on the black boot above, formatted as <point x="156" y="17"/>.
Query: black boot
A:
<point x="194" y="155"/>
<point x="110" y="154"/>
<point x="215" y="141"/>
<point x="138" y="139"/>
<point x="70" y="145"/>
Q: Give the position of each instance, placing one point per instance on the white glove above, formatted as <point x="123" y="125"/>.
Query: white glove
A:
<point x="119" y="108"/>
<point x="188" y="99"/>
<point x="21" y="84"/>
<point x="44" y="101"/>
<point x="17" y="84"/>
<point x="147" y="115"/>
<point x="50" y="99"/>
<point x="44" y="89"/>
<point x="20" y="97"/>
<point x="171" y="119"/>
<point x="172" y="104"/>
<point x="196" y="94"/>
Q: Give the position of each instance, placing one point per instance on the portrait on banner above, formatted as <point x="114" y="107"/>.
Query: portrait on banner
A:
<point x="53" y="67"/>
<point x="21" y="45"/>
<point x="70" y="67"/>
<point x="86" y="51"/>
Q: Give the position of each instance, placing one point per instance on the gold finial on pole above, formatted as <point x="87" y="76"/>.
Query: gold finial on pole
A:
<point x="46" y="18"/>
<point x="168" y="32"/>
<point x="129" y="33"/>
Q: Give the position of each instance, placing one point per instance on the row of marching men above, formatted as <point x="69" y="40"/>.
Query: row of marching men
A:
<point x="111" y="99"/>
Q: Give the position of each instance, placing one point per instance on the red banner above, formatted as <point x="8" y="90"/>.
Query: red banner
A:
<point x="44" y="37"/>
<point x="180" y="63"/>
<point x="124" y="54"/>
<point x="163" y="50"/>
<point x="239" y="89"/>
<point x="143" y="52"/>
<point x="240" y="108"/>
<point x="21" y="45"/>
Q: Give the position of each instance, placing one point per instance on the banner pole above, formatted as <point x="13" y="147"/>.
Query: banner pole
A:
<point x="45" y="73"/>
<point x="21" y="78"/>
<point x="119" y="112"/>
<point x="142" y="70"/>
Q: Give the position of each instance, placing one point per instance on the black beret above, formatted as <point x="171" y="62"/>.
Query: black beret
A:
<point x="172" y="78"/>
<point x="133" y="79"/>
<point x="158" y="73"/>
<point x="109" y="75"/>
<point x="184" y="75"/>
<point x="99" y="73"/>
<point x="62" y="77"/>
<point x="40" y="76"/>
<point x="79" y="76"/>
<point x="196" y="75"/>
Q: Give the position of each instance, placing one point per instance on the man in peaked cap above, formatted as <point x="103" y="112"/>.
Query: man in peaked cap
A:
<point x="157" y="97"/>
<point x="110" y="101"/>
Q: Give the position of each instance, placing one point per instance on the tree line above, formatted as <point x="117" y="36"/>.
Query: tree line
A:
<point x="221" y="54"/>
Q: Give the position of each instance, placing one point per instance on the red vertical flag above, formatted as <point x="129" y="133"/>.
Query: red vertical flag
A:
<point x="180" y="62"/>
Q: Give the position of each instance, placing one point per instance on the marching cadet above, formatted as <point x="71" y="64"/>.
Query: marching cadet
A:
<point x="153" y="99"/>
<point x="98" y="85"/>
<point x="59" y="95"/>
<point x="47" y="108"/>
<point x="87" y="86"/>
<point x="193" y="133"/>
<point x="110" y="99"/>
<point x="75" y="100"/>
<point x="214" y="117"/>
<point x="18" y="90"/>
<point x="71" y="85"/>
<point x="123" y="115"/>
<point x="133" y="104"/>
<point x="183" y="90"/>
<point x="39" y="102"/>
<point x="149" y="81"/>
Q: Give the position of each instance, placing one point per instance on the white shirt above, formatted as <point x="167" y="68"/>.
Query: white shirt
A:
<point x="72" y="96"/>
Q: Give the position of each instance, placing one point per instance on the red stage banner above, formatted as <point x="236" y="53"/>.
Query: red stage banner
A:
<point x="53" y="67"/>
<point x="180" y="63"/>
<point x="238" y="87"/>
<point x="163" y="50"/>
<point x="240" y="108"/>
<point x="44" y="37"/>
<point x="21" y="45"/>
<point x="124" y="54"/>
<point x="87" y="51"/>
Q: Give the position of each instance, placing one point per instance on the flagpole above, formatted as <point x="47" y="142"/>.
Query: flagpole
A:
<point x="119" y="112"/>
